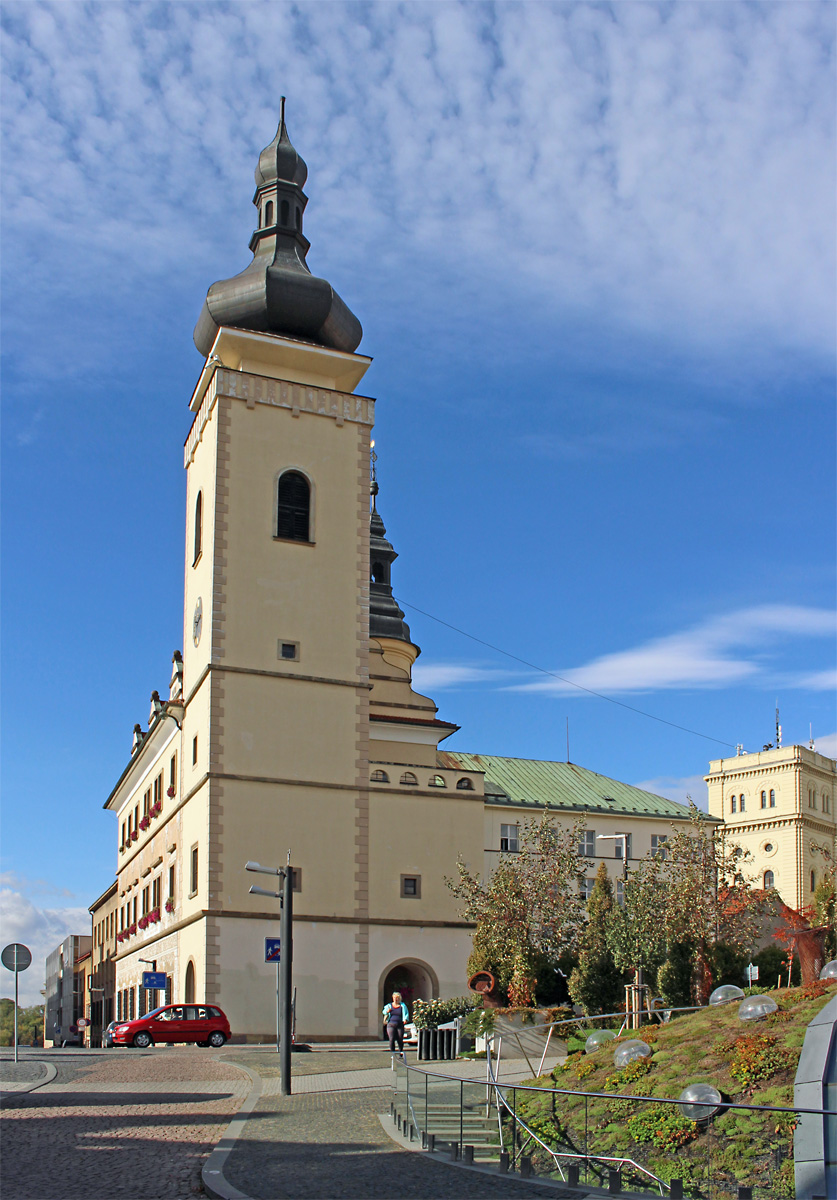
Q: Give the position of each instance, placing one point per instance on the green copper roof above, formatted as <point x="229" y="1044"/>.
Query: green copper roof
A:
<point x="536" y="784"/>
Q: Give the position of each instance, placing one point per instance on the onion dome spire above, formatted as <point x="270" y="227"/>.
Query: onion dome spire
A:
<point x="276" y="292"/>
<point x="386" y="620"/>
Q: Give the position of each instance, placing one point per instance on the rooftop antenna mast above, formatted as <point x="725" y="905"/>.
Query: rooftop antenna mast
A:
<point x="778" y="726"/>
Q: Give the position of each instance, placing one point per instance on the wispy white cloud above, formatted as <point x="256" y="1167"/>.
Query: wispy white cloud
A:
<point x="39" y="928"/>
<point x="701" y="657"/>
<point x="817" y="681"/>
<point x="448" y="676"/>
<point x="671" y="166"/>
<point x="679" y="788"/>
<point x="827" y="744"/>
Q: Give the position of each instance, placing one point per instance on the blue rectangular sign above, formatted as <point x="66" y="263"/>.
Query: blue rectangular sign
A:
<point x="272" y="949"/>
<point x="154" y="980"/>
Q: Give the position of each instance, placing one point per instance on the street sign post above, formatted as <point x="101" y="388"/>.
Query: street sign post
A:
<point x="16" y="957"/>
<point x="154" y="981"/>
<point x="752" y="973"/>
<point x="273" y="953"/>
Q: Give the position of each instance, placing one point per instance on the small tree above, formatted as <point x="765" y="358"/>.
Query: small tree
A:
<point x="596" y="984"/>
<point x="530" y="911"/>
<point x="637" y="931"/>
<point x="709" y="899"/>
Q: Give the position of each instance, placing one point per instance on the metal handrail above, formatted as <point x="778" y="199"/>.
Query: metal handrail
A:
<point x="576" y="1020"/>
<point x="500" y="1099"/>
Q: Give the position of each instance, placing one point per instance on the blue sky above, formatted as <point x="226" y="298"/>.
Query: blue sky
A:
<point x="592" y="248"/>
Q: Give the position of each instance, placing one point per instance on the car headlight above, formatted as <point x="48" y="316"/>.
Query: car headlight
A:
<point x="120" y="1028"/>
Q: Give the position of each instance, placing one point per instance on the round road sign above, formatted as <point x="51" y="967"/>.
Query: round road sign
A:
<point x="16" y="957"/>
<point x="82" y="1022"/>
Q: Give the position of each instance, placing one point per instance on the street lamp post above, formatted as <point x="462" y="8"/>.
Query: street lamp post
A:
<point x="633" y="992"/>
<point x="284" y="1002"/>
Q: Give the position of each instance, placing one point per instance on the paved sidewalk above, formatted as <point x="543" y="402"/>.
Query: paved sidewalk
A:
<point x="123" y="1124"/>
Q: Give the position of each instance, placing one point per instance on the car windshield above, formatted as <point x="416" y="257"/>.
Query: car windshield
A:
<point x="155" y="1012"/>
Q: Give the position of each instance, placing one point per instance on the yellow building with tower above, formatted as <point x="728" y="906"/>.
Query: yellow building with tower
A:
<point x="779" y="805"/>
<point x="291" y="723"/>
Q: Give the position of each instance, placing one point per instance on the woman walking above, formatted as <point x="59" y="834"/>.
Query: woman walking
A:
<point x="395" y="1015"/>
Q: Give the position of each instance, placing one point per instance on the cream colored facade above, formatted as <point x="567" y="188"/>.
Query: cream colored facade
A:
<point x="274" y="756"/>
<point x="329" y="755"/>
<point x="780" y="806"/>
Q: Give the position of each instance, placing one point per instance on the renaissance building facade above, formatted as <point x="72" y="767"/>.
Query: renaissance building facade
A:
<point x="778" y="805"/>
<point x="291" y="731"/>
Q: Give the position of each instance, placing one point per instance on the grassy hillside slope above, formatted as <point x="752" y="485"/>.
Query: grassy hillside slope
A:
<point x="749" y="1062"/>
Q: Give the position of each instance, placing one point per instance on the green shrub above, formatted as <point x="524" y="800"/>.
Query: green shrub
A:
<point x="756" y="1056"/>
<point x="429" y="1014"/>
<point x="666" y="1128"/>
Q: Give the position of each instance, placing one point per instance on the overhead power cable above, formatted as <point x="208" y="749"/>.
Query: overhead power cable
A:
<point x="570" y="682"/>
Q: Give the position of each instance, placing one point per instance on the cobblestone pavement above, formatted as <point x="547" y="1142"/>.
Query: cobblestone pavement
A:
<point x="331" y="1146"/>
<point x="119" y="1124"/>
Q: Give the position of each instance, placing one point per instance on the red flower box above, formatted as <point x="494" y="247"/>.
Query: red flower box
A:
<point x="171" y="791"/>
<point x="134" y="835"/>
<point x="143" y="922"/>
<point x="169" y="906"/>
<point x="145" y="822"/>
<point x="132" y="929"/>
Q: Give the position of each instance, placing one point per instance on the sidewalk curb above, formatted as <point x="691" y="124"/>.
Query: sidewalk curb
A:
<point x="51" y="1072"/>
<point x="212" y="1173"/>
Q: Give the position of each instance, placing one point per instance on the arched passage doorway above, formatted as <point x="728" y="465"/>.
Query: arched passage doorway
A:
<point x="189" y="987"/>
<point x="413" y="979"/>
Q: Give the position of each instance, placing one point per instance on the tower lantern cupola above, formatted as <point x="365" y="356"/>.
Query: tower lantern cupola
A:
<point x="276" y="292"/>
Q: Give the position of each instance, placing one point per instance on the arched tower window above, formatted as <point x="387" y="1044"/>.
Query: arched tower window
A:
<point x="464" y="785"/>
<point x="409" y="779"/>
<point x="436" y="781"/>
<point x="379" y="573"/>
<point x="286" y="212"/>
<point x="293" y="507"/>
<point x="268" y="213"/>
<point x="732" y="804"/>
<point x="298" y="217"/>
<point x="741" y="803"/>
<point x="813" y="881"/>
<point x="772" y="798"/>
<point x="768" y="879"/>
<point x="198" y="527"/>
<point x="764" y="799"/>
<point x="379" y="777"/>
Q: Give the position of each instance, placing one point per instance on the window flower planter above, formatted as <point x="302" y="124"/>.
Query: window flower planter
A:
<point x="143" y="922"/>
<point x="169" y="906"/>
<point x="145" y="822"/>
<point x="157" y="809"/>
<point x="132" y="929"/>
<point x="134" y="835"/>
<point x="171" y="792"/>
<point x="154" y="916"/>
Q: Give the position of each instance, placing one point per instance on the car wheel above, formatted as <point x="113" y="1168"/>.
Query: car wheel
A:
<point x="216" y="1038"/>
<point x="142" y="1040"/>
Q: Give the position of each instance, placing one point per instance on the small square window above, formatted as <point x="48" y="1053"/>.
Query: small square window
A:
<point x="288" y="651"/>
<point x="411" y="886"/>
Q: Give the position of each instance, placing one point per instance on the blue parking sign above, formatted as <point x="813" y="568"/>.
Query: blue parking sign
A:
<point x="272" y="947"/>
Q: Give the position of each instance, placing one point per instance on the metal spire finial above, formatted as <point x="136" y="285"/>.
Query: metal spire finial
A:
<point x="281" y="110"/>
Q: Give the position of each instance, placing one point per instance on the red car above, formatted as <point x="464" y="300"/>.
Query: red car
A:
<point x="203" y="1024"/>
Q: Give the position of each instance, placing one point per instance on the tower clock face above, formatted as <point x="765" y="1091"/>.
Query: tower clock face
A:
<point x="197" y="621"/>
